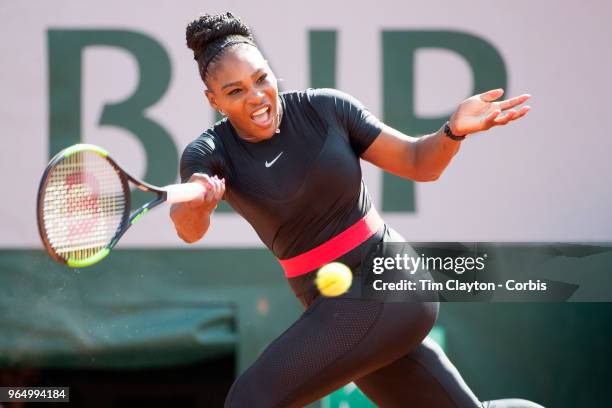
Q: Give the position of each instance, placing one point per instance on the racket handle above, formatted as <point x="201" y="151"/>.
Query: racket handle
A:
<point x="180" y="193"/>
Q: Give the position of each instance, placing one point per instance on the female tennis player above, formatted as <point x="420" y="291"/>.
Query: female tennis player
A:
<point x="289" y="164"/>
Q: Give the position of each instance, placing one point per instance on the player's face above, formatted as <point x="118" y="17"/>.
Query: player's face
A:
<point x="242" y="86"/>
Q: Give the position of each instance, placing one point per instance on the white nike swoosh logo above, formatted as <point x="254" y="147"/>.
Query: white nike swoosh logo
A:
<point x="275" y="159"/>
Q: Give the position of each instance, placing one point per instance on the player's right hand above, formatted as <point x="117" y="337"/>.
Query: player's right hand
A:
<point x="215" y="188"/>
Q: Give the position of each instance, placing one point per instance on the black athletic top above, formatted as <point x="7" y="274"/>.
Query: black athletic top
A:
<point x="301" y="187"/>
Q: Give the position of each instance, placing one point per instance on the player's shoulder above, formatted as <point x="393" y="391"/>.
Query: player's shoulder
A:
<point x="315" y="96"/>
<point x="330" y="98"/>
<point x="204" y="144"/>
<point x="294" y="97"/>
<point x="334" y="102"/>
<point x="209" y="141"/>
<point x="329" y="95"/>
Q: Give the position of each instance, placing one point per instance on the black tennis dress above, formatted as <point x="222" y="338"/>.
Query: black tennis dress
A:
<point x="298" y="190"/>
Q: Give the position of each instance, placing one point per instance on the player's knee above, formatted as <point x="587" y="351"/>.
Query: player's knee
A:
<point x="425" y="316"/>
<point x="430" y="312"/>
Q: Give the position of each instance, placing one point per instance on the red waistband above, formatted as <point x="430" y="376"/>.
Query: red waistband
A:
<point x="330" y="250"/>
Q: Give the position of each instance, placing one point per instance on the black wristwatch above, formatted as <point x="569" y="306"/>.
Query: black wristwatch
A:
<point x="448" y="132"/>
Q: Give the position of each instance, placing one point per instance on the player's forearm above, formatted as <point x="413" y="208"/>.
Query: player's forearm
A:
<point x="191" y="223"/>
<point x="433" y="154"/>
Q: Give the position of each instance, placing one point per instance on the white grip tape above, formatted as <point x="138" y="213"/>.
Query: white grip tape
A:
<point x="180" y="193"/>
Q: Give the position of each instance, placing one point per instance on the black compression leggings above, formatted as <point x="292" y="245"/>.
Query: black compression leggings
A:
<point x="381" y="346"/>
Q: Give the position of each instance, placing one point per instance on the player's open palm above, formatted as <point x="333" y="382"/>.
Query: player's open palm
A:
<point x="481" y="112"/>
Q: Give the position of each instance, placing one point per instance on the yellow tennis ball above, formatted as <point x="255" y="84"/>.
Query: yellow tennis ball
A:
<point x="333" y="279"/>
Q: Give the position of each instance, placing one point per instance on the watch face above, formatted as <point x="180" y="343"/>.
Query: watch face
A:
<point x="449" y="133"/>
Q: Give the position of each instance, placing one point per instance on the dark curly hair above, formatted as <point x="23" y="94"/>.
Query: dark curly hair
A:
<point x="211" y="34"/>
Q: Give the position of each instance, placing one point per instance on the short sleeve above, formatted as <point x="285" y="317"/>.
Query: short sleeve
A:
<point x="203" y="155"/>
<point x="362" y="126"/>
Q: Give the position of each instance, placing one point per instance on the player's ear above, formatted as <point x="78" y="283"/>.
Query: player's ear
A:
<point x="211" y="99"/>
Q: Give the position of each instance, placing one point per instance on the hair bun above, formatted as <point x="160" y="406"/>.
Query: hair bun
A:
<point x="209" y="28"/>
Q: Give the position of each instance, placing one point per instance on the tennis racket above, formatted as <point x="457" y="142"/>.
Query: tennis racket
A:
<point x="84" y="204"/>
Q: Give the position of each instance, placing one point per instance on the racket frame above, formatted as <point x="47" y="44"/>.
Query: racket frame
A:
<point x="128" y="218"/>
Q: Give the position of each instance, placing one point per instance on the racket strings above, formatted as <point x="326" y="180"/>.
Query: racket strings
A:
<point x="84" y="204"/>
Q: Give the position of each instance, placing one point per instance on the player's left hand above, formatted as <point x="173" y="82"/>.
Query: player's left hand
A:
<point x="481" y="112"/>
